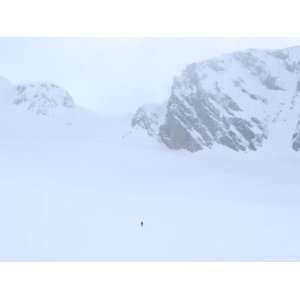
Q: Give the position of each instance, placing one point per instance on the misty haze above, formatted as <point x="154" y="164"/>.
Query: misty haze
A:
<point x="149" y="149"/>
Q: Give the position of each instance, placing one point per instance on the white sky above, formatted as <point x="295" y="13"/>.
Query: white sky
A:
<point x="117" y="74"/>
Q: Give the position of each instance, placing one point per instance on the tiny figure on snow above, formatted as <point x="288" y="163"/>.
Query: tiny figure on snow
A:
<point x="142" y="223"/>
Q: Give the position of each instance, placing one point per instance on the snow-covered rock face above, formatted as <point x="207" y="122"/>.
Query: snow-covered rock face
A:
<point x="296" y="138"/>
<point x="238" y="100"/>
<point x="42" y="98"/>
<point x="149" y="118"/>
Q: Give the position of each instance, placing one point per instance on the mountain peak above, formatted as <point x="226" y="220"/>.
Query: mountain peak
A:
<point x="42" y="97"/>
<point x="241" y="100"/>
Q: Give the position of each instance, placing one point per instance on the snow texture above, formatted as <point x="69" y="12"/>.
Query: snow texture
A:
<point x="76" y="185"/>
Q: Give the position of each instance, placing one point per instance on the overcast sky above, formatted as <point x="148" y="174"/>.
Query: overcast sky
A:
<point x="118" y="74"/>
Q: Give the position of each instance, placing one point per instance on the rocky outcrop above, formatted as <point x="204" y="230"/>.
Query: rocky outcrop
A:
<point x="296" y="138"/>
<point x="149" y="117"/>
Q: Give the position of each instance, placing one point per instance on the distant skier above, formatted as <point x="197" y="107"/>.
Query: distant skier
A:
<point x="142" y="223"/>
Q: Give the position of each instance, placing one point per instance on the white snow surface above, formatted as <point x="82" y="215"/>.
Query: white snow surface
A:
<point x="76" y="185"/>
<point x="79" y="191"/>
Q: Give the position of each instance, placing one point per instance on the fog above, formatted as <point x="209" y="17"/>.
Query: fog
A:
<point x="115" y="74"/>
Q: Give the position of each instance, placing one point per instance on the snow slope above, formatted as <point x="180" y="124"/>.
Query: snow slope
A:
<point x="75" y="185"/>
<point x="6" y="92"/>
<point x="84" y="198"/>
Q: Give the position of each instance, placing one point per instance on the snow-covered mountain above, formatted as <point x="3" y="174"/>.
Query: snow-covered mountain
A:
<point x="41" y="98"/>
<point x="42" y="110"/>
<point x="243" y="100"/>
<point x="74" y="186"/>
<point x="149" y="117"/>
